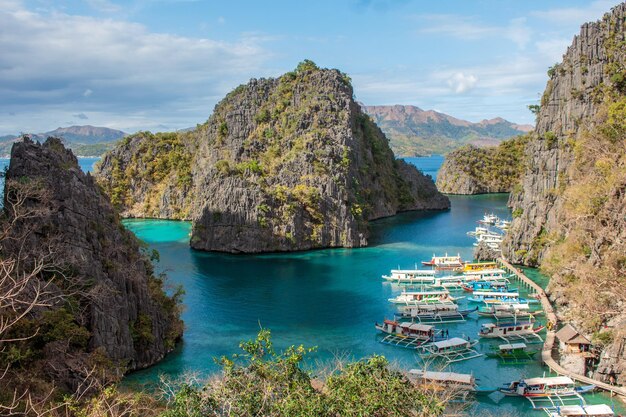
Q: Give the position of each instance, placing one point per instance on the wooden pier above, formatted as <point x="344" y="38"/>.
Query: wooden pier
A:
<point x="548" y="346"/>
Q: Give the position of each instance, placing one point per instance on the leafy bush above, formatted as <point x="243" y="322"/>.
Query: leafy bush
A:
<point x="263" y="382"/>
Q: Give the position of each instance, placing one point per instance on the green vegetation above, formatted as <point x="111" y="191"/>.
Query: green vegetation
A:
<point x="263" y="382"/>
<point x="416" y="134"/>
<point x="158" y="161"/>
<point x="497" y="169"/>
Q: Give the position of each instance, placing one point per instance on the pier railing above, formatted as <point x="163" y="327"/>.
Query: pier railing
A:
<point x="548" y="346"/>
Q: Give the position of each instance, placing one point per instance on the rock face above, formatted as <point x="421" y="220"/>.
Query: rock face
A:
<point x="472" y="170"/>
<point x="282" y="164"/>
<point x="482" y="252"/>
<point x="107" y="285"/>
<point x="569" y="209"/>
<point x="413" y="131"/>
<point x="573" y="94"/>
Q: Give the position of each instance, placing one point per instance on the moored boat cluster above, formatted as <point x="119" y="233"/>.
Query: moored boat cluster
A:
<point x="451" y="291"/>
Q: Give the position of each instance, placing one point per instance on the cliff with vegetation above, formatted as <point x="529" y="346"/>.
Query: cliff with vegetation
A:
<point x="80" y="302"/>
<point x="414" y="132"/>
<point x="282" y="164"/>
<point x="569" y="209"/>
<point x="472" y="170"/>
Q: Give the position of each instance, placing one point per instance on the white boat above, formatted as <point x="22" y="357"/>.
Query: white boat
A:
<point x="478" y="231"/>
<point x="495" y="297"/>
<point x="422" y="297"/>
<point x="591" y="410"/>
<point x="561" y="386"/>
<point x="524" y="331"/>
<point x="411" y="276"/>
<point x="434" y="313"/>
<point x="503" y="225"/>
<point x="407" y="334"/>
<point x="447" y="380"/>
<point x="445" y="262"/>
<point x="450" y="282"/>
<point x="489" y="219"/>
<point x="451" y="350"/>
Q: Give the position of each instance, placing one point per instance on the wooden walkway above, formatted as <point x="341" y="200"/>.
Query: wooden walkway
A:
<point x="548" y="346"/>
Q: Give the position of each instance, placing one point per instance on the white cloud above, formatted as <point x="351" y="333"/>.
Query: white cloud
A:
<point x="461" y="83"/>
<point x="576" y="15"/>
<point x="469" y="28"/>
<point x="49" y="60"/>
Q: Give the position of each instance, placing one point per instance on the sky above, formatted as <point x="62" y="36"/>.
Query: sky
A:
<point x="164" y="64"/>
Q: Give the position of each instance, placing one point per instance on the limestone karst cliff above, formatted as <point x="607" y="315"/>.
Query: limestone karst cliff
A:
<point x="472" y="170"/>
<point x="99" y="305"/>
<point x="569" y="207"/>
<point x="282" y="164"/>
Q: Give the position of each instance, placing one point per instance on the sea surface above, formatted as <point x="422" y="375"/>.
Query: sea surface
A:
<point x="325" y="298"/>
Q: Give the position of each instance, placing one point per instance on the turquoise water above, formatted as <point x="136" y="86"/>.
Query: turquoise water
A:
<point x="325" y="298"/>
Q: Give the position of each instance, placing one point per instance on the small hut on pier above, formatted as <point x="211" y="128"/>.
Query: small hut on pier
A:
<point x="572" y="341"/>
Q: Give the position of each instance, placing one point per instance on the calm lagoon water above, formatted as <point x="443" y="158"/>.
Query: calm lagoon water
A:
<point x="325" y="298"/>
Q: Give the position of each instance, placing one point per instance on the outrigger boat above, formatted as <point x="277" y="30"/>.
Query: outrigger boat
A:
<point x="486" y="275"/>
<point x="450" y="282"/>
<point x="500" y="286"/>
<point x="435" y="313"/>
<point x="478" y="231"/>
<point x="548" y="393"/>
<point x="407" y="334"/>
<point x="591" y="410"/>
<point x="556" y="386"/>
<point x="513" y="353"/>
<point x="447" y="380"/>
<point x="507" y="310"/>
<point x="495" y="297"/>
<point x="489" y="219"/>
<point x="511" y="331"/>
<point x="451" y="350"/>
<point x="445" y="262"/>
<point x="479" y="266"/>
<point x="411" y="276"/>
<point x="423" y="297"/>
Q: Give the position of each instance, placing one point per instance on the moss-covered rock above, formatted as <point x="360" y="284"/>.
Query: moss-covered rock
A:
<point x="282" y="164"/>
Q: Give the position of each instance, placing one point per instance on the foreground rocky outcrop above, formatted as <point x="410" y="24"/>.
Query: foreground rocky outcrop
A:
<point x="282" y="164"/>
<point x="472" y="170"/>
<point x="569" y="209"/>
<point x="99" y="310"/>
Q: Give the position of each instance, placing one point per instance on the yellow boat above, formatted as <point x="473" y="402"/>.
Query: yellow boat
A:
<point x="479" y="266"/>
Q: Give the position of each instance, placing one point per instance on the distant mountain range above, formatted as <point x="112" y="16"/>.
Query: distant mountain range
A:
<point x="83" y="140"/>
<point x="413" y="131"/>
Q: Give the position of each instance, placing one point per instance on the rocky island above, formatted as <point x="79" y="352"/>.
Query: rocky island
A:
<point x="88" y="305"/>
<point x="282" y="164"/>
<point x="473" y="170"/>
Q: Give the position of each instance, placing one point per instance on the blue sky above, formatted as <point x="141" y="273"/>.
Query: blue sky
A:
<point x="164" y="64"/>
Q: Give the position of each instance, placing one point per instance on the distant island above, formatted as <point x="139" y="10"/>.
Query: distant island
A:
<point x="84" y="141"/>
<point x="416" y="132"/>
<point x="411" y="132"/>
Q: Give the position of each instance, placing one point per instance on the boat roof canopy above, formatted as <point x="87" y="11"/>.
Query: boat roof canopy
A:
<point x="587" y="410"/>
<point x="443" y="376"/>
<point x="414" y="271"/>
<point x="555" y="380"/>
<point x="420" y="327"/>
<point x="513" y="346"/>
<point x="455" y="341"/>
